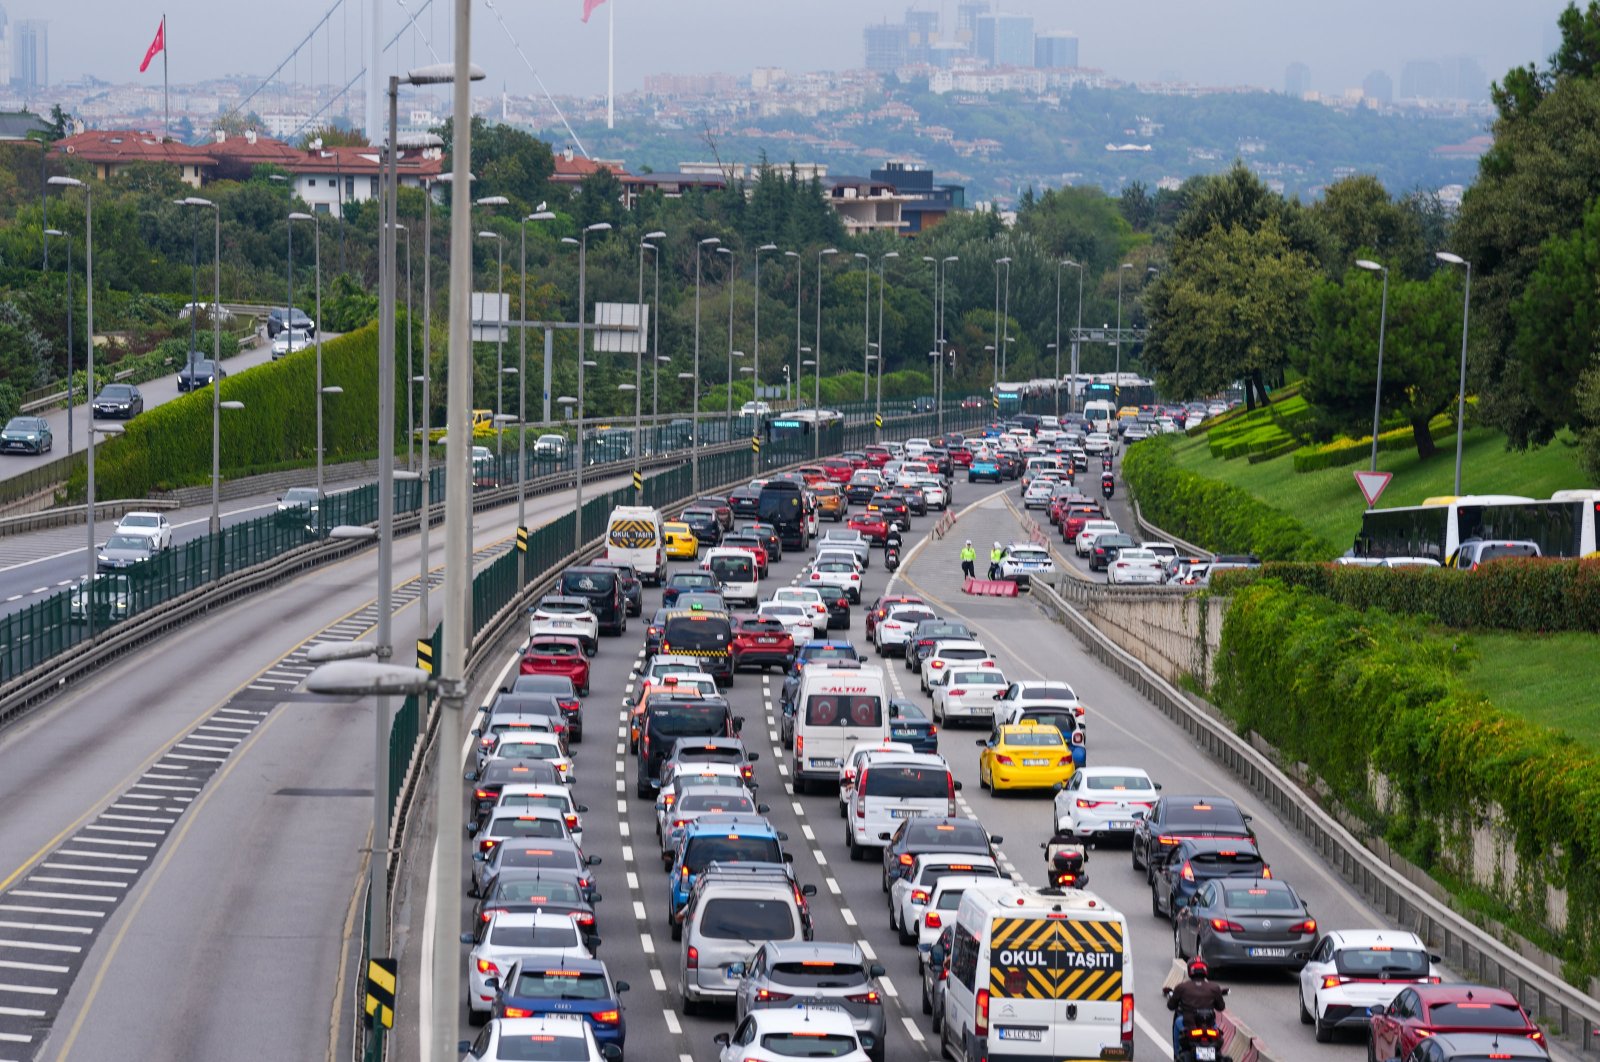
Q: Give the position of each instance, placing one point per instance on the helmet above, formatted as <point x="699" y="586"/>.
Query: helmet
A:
<point x="997" y="544"/>
<point x="1198" y="970"/>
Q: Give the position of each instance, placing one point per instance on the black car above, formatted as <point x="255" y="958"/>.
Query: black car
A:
<point x="1010" y="465"/>
<point x="1176" y="818"/>
<point x="523" y="890"/>
<point x="860" y="491"/>
<point x="667" y="719"/>
<point x="199" y="372"/>
<point x="705" y="525"/>
<point x="561" y="688"/>
<point x="497" y="774"/>
<point x="297" y="321"/>
<point x="767" y="534"/>
<point x="1193" y="862"/>
<point x="838" y="608"/>
<point x="632" y="588"/>
<point x="925" y="404"/>
<point x="745" y="502"/>
<point x="26" y="435"/>
<point x="118" y="401"/>
<point x="718" y="506"/>
<point x="933" y="833"/>
<point x="940" y="457"/>
<point x="687" y="582"/>
<point x="1106" y="548"/>
<point x="916" y="501"/>
<point x="654" y="630"/>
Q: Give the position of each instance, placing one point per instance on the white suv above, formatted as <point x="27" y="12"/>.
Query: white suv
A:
<point x="893" y="631"/>
<point x="953" y="652"/>
<point x="1085" y="541"/>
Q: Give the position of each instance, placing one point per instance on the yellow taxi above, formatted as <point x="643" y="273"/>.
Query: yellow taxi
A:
<point x="681" y="542"/>
<point x="1024" y="756"/>
<point x="831" y="504"/>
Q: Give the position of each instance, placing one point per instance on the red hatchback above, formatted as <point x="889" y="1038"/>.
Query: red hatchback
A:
<point x="839" y="469"/>
<point x="872" y="525"/>
<point x="761" y="642"/>
<point x="961" y="456"/>
<point x="1421" y="1011"/>
<point x="878" y="456"/>
<point x="557" y="655"/>
<point x="1072" y="520"/>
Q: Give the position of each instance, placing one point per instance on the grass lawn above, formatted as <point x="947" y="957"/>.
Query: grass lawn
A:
<point x="1550" y="679"/>
<point x="1328" y="503"/>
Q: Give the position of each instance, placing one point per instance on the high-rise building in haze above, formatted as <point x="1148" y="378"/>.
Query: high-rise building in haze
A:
<point x="1055" y="51"/>
<point x="5" y="49"/>
<point x="886" y="46"/>
<point x="1296" y="80"/>
<point x="1378" y="86"/>
<point x="30" y="54"/>
<point x="1421" y="79"/>
<point x="1470" y="83"/>
<point x="922" y="33"/>
<point x="967" y="14"/>
<point x="1005" y="40"/>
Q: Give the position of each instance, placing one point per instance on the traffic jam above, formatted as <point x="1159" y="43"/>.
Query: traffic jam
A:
<point x="731" y="737"/>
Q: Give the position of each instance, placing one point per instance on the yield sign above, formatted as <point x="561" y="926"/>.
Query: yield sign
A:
<point x="1372" y="484"/>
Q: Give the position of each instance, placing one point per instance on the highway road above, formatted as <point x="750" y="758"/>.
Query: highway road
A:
<point x="185" y="815"/>
<point x="155" y="392"/>
<point x="1123" y="728"/>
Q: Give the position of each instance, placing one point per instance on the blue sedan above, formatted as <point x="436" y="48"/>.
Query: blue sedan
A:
<point x="908" y="723"/>
<point x="534" y="987"/>
<point x="983" y="468"/>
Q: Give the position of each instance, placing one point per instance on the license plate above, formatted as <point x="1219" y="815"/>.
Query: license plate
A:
<point x="1030" y="1035"/>
<point x="767" y="641"/>
<point x="1205" y="1053"/>
<point x="904" y="733"/>
<point x="825" y="1006"/>
<point x="824" y="762"/>
<point x="905" y="813"/>
<point x="1035" y="763"/>
<point x="1269" y="953"/>
<point x="1122" y="824"/>
<point x="560" y="623"/>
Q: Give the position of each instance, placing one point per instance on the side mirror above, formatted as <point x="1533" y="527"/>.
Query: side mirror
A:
<point x="471" y="776"/>
<point x="996" y="840"/>
<point x="1058" y="787"/>
<point x="1249" y="818"/>
<point x="621" y="987"/>
<point x="466" y="938"/>
<point x="788" y="857"/>
<point x="463" y="1046"/>
<point x="655" y="783"/>
<point x="982" y="743"/>
<point x="762" y="809"/>
<point x="876" y="970"/>
<point x="722" y="1039"/>
<point x="592" y="861"/>
<point x="1434" y="958"/>
<point x="884" y="836"/>
<point x="999" y="697"/>
<point x="611" y="1052"/>
<point x="1156" y="784"/>
<point x="868" y="1042"/>
<point x="505" y="689"/>
<point x="808" y="890"/>
<point x="596" y="898"/>
<point x="492" y="984"/>
<point x="752" y="757"/>
<point x="736" y="969"/>
<point x="738" y="723"/>
<point x="479" y="857"/>
<point x="958" y="786"/>
<point x="581" y="808"/>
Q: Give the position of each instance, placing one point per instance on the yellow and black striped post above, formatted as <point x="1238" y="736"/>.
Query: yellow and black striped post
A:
<point x="381" y="981"/>
<point x="425" y="655"/>
<point x="522" y="540"/>
<point x="638" y="480"/>
<point x="755" y="444"/>
<point x="995" y="401"/>
<point x="877" y="421"/>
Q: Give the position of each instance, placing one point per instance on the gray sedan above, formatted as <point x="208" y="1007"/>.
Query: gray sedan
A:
<point x="124" y="551"/>
<point x="1245" y="922"/>
<point x="794" y="973"/>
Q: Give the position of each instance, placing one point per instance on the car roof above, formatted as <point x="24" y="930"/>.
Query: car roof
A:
<point x="1367" y="938"/>
<point x="1460" y="993"/>
<point x="740" y="822"/>
<point x="536" y="961"/>
<point x="783" y="1019"/>
<point x="814" y="950"/>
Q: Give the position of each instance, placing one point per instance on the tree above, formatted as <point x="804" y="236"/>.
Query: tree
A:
<point x="1556" y="320"/>
<point x="1231" y="307"/>
<point x="599" y="199"/>
<point x="1238" y="198"/>
<point x="333" y="136"/>
<point x="1359" y="218"/>
<point x="1589" y="408"/>
<point x="1137" y="207"/>
<point x="347" y="306"/>
<point x="506" y="161"/>
<point x="1422" y="339"/>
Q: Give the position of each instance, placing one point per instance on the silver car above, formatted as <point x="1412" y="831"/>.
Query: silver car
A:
<point x="796" y="973"/>
<point x="110" y="598"/>
<point x="124" y="551"/>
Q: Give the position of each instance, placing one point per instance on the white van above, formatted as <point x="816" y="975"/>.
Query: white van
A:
<point x="1038" y="973"/>
<point x="736" y="573"/>
<point x="893" y="788"/>
<point x="633" y="536"/>
<point x="1099" y="414"/>
<point x="837" y="707"/>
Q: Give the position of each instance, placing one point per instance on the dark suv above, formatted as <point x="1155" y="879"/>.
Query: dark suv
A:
<point x="667" y="719"/>
<point x="297" y="319"/>
<point x="1175" y="819"/>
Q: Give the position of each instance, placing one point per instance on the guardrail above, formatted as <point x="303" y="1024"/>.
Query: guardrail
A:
<point x="1474" y="951"/>
<point x="64" y="515"/>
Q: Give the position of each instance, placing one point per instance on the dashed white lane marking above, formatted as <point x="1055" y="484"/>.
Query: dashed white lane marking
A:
<point x="888" y="987"/>
<point x="672" y="1020"/>
<point x="848" y="916"/>
<point x="833" y="887"/>
<point x="648" y="944"/>
<point x="638" y="911"/>
<point x="912" y="1030"/>
<point x="657" y="980"/>
<point x="866" y="949"/>
<point x="806" y="830"/>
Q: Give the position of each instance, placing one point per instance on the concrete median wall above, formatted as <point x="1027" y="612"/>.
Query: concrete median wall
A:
<point x="1176" y="633"/>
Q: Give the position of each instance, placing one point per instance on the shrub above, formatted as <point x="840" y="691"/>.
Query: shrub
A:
<point x="1212" y="514"/>
<point x="1352" y="691"/>
<point x="1347" y="451"/>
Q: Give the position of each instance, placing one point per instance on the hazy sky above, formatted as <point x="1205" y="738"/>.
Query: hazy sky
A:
<point x="1209" y="41"/>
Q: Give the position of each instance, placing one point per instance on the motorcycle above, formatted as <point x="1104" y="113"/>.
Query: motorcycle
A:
<point x="891" y="558"/>
<point x="1202" y="1041"/>
<point x="1064" y="859"/>
<point x="1108" y="486"/>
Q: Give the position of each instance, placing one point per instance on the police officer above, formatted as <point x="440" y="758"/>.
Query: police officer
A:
<point x="994" y="561"/>
<point x="1190" y="997"/>
<point x="969" y="557"/>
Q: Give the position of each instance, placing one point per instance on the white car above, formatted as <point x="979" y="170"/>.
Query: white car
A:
<point x="1104" y="802"/>
<point x="1098" y="442"/>
<point x="917" y="447"/>
<point x="154" y="526"/>
<point x="909" y="894"/>
<point x="966" y="693"/>
<point x="1135" y="567"/>
<point x="934" y="494"/>
<point x="516" y="797"/>
<point x="847" y="539"/>
<point x="568" y="617"/>
<point x="677" y="783"/>
<point x="796" y="619"/>
<point x="511" y="935"/>
<point x="289" y="340"/>
<point x="891" y="633"/>
<point x="530" y="824"/>
<point x="850" y="769"/>
<point x="1353" y="969"/>
<point x="808" y="598"/>
<point x="1038" y="493"/>
<point x="839" y="555"/>
<point x="563" y="1036"/>
<point x="1085" y="540"/>
<point x="840" y="575"/>
<point x="950" y="652"/>
<point x="1025" y="560"/>
<point x="781" y="1034"/>
<point x="1164" y="551"/>
<point x="523" y="744"/>
<point x="945" y="900"/>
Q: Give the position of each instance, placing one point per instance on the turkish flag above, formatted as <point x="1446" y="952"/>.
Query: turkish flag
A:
<point x="589" y="6"/>
<point x="159" y="44"/>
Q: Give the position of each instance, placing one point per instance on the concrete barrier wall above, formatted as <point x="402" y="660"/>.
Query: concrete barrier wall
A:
<point x="1174" y="632"/>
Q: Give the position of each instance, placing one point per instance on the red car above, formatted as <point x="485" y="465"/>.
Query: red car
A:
<point x="813" y="474"/>
<point x="878" y="456"/>
<point x="839" y="469"/>
<point x="1073" y="519"/>
<point x="960" y="455"/>
<point x="1421" y="1011"/>
<point x="751" y="545"/>
<point x="880" y="608"/>
<point x="556" y="655"/>
<point x="874" y="526"/>
<point x="761" y="642"/>
<point x="972" y="403"/>
<point x="856" y="458"/>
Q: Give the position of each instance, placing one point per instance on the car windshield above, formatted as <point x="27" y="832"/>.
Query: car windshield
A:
<point x="978" y="678"/>
<point x="745" y="918"/>
<point x="733" y="569"/>
<point x="1476" y="1015"/>
<point x="137" y="542"/>
<point x="541" y="1047"/>
<point x="1277" y="901"/>
<point x="964" y="653"/>
<point x="912" y="616"/>
<point x="789" y="612"/>
<point x="940" y="835"/>
<point x="843" y="710"/>
<point x="708" y="848"/>
<point x="836" y="567"/>
<point x="689" y="720"/>
<point x="300" y="494"/>
<point x="202" y="366"/>
<point x="715" y="802"/>
<point x="538" y="890"/>
<point x="118" y="391"/>
<point x="684" y="580"/>
<point x="1204" y="814"/>
<point x="697" y="632"/>
<point x="562" y="608"/>
<point x="910" y="711"/>
<point x="557" y="983"/>
<point x="519" y="826"/>
<point x="515" y="855"/>
<point x="565" y="936"/>
<point x="518" y="801"/>
<point x="553" y="649"/>
<point x="906" y="781"/>
<point x="930" y="875"/>
<point x="818" y="973"/>
<point x="140" y="520"/>
<point x="1401" y="964"/>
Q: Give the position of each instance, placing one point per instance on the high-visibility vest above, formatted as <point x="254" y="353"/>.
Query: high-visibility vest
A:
<point x="968" y="554"/>
<point x="995" y="555"/>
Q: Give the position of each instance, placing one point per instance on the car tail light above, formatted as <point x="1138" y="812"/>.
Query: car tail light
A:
<point x="919" y="895"/>
<point x="1065" y="761"/>
<point x="864" y="997"/>
<point x="980" y="1013"/>
<point x="483" y="794"/>
<point x="1308" y="926"/>
<point x="1005" y="760"/>
<point x="815" y="577"/>
<point x="1188" y="871"/>
<point x="958" y="693"/>
<point x="768" y="996"/>
<point x="572" y="821"/>
<point x="854" y="578"/>
<point x="861" y="807"/>
<point x="932" y="920"/>
<point x="676" y="823"/>
<point x="488" y="968"/>
<point x="584" y="921"/>
<point x="607" y="1017"/>
<point x="1127" y="1018"/>
<point x="1082" y="803"/>
<point x="799" y="747"/>
<point x="1222" y="925"/>
<point x="517" y="1012"/>
<point x="849" y="775"/>
<point x="670" y="799"/>
<point x="487" y="844"/>
<point x="691" y="959"/>
<point x="1077" y="738"/>
<point x="906" y="859"/>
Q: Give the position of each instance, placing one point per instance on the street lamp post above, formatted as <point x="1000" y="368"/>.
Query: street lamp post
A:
<point x="638" y="367"/>
<point x="877" y="403"/>
<point x="1116" y="377"/>
<point x="866" y="326"/>
<point x="1461" y="392"/>
<point x="755" y="367"/>
<point x="583" y="315"/>
<point x="1072" y="396"/>
<point x="998" y="343"/>
<point x="499" y="331"/>
<point x="411" y="427"/>
<point x="316" y="230"/>
<point x="656" y="357"/>
<point x="1005" y="322"/>
<point x="1383" y="320"/>
<point x="90" y="399"/>
<point x="424" y="502"/>
<point x="694" y="387"/>
<point x="733" y="275"/>
<point x="799" y="283"/>
<point x="816" y="425"/>
<point x="215" y="526"/>
<point x="522" y="390"/>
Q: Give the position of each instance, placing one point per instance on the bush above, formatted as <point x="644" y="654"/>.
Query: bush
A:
<point x="1212" y="514"/>
<point x="1515" y="595"/>
<point x="1351" y="692"/>
<point x="1347" y="451"/>
<point x="169" y="446"/>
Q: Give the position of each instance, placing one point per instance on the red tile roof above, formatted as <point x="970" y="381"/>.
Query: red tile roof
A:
<point x="122" y="146"/>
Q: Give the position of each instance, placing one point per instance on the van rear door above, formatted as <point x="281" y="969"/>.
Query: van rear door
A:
<point x="1055" y="986"/>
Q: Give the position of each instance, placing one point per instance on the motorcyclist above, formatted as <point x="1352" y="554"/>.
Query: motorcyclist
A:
<point x="1108" y="485"/>
<point x="1188" y="998"/>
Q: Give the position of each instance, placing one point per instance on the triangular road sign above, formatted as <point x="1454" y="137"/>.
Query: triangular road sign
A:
<point x="1372" y="484"/>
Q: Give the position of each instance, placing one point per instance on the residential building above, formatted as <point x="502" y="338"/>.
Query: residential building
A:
<point x="886" y="46"/>
<point x="865" y="205"/>
<point x="572" y="168"/>
<point x="1378" y="86"/>
<point x="327" y="178"/>
<point x="111" y="151"/>
<point x="1005" y="40"/>
<point x="30" y="54"/>
<point x="1296" y="80"/>
<point x="925" y="203"/>
<point x="1055" y="51"/>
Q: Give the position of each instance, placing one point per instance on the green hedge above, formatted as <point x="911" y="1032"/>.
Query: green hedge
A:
<point x="1341" y="452"/>
<point x="1351" y="692"/>
<point x="1533" y="595"/>
<point x="169" y="446"/>
<point x="1214" y="515"/>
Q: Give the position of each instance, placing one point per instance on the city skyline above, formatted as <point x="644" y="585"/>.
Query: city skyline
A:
<point x="1215" y="42"/>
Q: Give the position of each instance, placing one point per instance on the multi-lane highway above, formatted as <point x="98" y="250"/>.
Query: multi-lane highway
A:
<point x="1123" y="729"/>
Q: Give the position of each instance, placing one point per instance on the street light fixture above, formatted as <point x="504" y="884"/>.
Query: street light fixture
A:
<point x="1461" y="392"/>
<point x="755" y="369"/>
<point x="694" y="392"/>
<point x="500" y="325"/>
<point x="877" y="404"/>
<point x="583" y="314"/>
<point x="799" y="284"/>
<point x="638" y="353"/>
<point x="1072" y="395"/>
<point x="655" y="321"/>
<point x="88" y="288"/>
<point x="732" y="277"/>
<point x="816" y="424"/>
<point x="89" y="399"/>
<point x="1383" y="319"/>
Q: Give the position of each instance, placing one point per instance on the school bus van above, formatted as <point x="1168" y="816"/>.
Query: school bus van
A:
<point x="1038" y="974"/>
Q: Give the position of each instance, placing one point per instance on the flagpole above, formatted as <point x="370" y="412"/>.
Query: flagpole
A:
<point x="611" y="64"/>
<point x="166" y="99"/>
